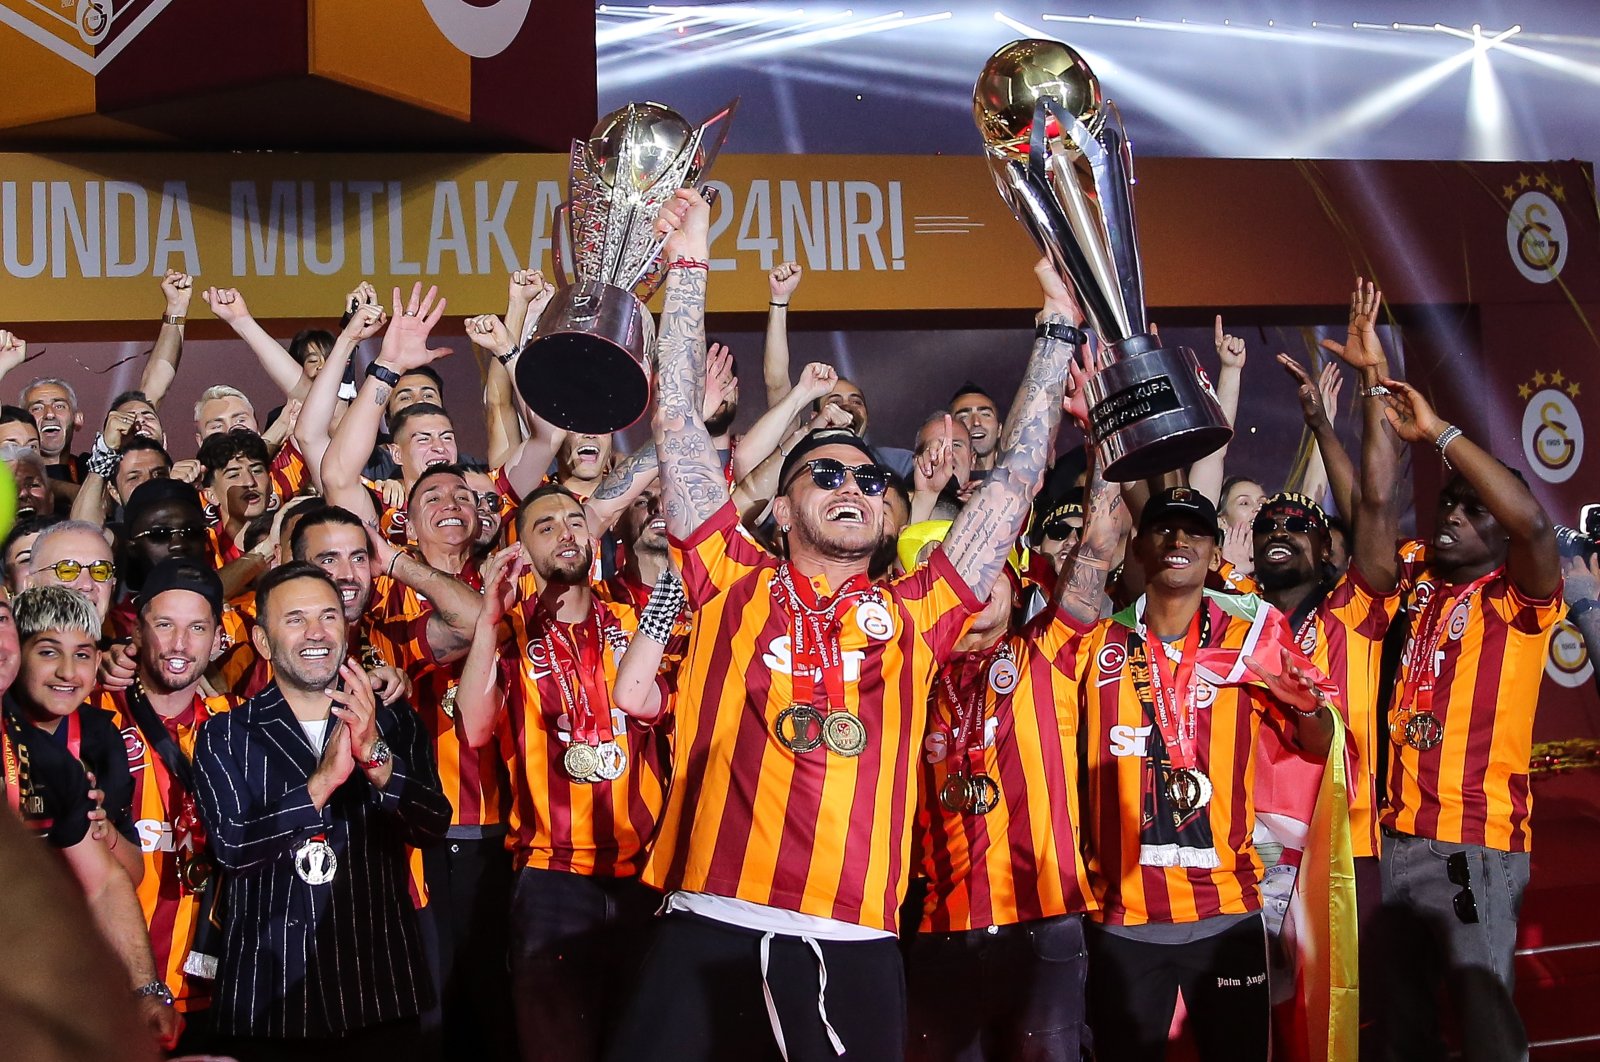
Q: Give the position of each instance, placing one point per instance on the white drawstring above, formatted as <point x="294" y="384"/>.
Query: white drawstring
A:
<point x="822" y="996"/>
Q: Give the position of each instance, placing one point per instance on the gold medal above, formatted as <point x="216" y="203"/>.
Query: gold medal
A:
<point x="1424" y="731"/>
<point x="798" y="728"/>
<point x="1399" y="722"/>
<point x="448" y="705"/>
<point x="581" y="762"/>
<point x="1187" y="789"/>
<point x="983" y="794"/>
<point x="955" y="794"/>
<point x="613" y="761"/>
<point x="844" y="734"/>
<point x="194" y="871"/>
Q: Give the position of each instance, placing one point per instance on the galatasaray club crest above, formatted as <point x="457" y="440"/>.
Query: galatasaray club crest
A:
<point x="1568" y="659"/>
<point x="1552" y="430"/>
<point x="1536" y="230"/>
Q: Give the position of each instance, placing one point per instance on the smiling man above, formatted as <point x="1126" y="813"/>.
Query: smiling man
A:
<point x="54" y="405"/>
<point x="310" y="793"/>
<point x="237" y="481"/>
<point x="975" y="410"/>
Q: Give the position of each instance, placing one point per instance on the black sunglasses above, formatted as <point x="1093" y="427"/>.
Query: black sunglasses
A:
<point x="1060" y="529"/>
<point x="829" y="474"/>
<point x="1295" y="525"/>
<point x="1465" y="903"/>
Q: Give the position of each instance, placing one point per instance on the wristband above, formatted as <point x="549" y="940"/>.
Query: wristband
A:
<point x="1581" y="607"/>
<point x="1064" y="332"/>
<point x="777" y="304"/>
<point x="661" y="612"/>
<point x="1322" y="702"/>
<point x="505" y="359"/>
<point x="689" y="263"/>
<point x="173" y="319"/>
<point x="103" y="460"/>
<point x="383" y="374"/>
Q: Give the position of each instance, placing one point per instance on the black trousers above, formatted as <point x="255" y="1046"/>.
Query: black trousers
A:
<point x="464" y="935"/>
<point x="576" y="942"/>
<point x="379" y="1043"/>
<point x="1134" y="985"/>
<point x="1013" y="993"/>
<point x="699" y="998"/>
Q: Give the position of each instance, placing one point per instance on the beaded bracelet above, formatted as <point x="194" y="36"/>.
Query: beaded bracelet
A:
<point x="688" y="263"/>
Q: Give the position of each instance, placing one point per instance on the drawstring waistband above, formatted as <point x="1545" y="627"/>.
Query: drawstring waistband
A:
<point x="822" y="996"/>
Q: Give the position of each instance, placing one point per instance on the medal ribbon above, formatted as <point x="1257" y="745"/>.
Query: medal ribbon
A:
<point x="968" y="697"/>
<point x="580" y="679"/>
<point x="814" y="635"/>
<point x="75" y="736"/>
<point x="1423" y="670"/>
<point x="1173" y="694"/>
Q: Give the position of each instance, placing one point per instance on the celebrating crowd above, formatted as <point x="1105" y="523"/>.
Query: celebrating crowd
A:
<point x="791" y="746"/>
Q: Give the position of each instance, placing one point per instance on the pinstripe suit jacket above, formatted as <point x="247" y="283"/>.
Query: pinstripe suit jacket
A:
<point x="303" y="960"/>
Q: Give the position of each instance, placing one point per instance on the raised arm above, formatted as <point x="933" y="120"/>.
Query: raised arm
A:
<point x="1376" y="509"/>
<point x="162" y="367"/>
<point x="618" y="489"/>
<point x="768" y="433"/>
<point x="638" y="690"/>
<point x="1081" y="587"/>
<point x="987" y="526"/>
<point x="405" y="347"/>
<point x="230" y="306"/>
<point x="13" y="352"/>
<point x="494" y="346"/>
<point x="781" y="283"/>
<point x="480" y="699"/>
<point x="692" y="484"/>
<point x="90" y="504"/>
<point x="313" y="428"/>
<point x="1336" y="470"/>
<point x="1206" y="475"/>
<point x="1532" y="560"/>
<point x="529" y="293"/>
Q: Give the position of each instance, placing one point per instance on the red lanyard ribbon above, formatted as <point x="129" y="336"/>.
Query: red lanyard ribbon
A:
<point x="1173" y="695"/>
<point x="1422" y="666"/>
<point x="13" y="772"/>
<point x="75" y="735"/>
<point x="814" y="635"/>
<point x="968" y="698"/>
<point x="580" y="678"/>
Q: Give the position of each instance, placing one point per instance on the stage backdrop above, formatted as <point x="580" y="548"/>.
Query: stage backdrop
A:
<point x="1492" y="271"/>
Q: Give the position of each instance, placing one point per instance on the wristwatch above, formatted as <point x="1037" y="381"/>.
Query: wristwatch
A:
<point x="1063" y="332"/>
<point x="380" y="756"/>
<point x="383" y="374"/>
<point x="1581" y="607"/>
<point x="158" y="989"/>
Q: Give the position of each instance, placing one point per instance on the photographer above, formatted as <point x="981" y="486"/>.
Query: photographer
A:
<point x="1580" y="568"/>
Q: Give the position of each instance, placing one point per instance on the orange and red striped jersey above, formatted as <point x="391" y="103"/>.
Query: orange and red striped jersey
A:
<point x="393" y="522"/>
<point x="1022" y="860"/>
<point x="170" y="911"/>
<point x="557" y="823"/>
<point x="1117" y="729"/>
<point x="288" y="472"/>
<point x="224" y="549"/>
<point x="747" y="818"/>
<point x="1472" y="788"/>
<point x="473" y="779"/>
<point x="240" y="670"/>
<point x="1343" y="636"/>
<point x="1227" y="578"/>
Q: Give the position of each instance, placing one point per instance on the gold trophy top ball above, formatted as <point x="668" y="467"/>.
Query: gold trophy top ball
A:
<point x="658" y="135"/>
<point x="1017" y="75"/>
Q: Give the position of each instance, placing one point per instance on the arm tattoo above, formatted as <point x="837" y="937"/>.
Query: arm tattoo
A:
<point x="1082" y="586"/>
<point x="380" y="395"/>
<point x="620" y="479"/>
<point x="987" y="526"/>
<point x="692" y="484"/>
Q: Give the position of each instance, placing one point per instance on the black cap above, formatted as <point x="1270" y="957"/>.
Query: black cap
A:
<point x="1291" y="504"/>
<point x="154" y="492"/>
<point x="1184" y="502"/>
<point x="180" y="573"/>
<point x="1061" y="511"/>
<point x="816" y="440"/>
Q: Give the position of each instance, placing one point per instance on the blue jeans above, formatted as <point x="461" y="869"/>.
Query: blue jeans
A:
<point x="1449" y="918"/>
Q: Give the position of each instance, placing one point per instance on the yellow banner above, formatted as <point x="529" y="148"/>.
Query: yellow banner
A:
<point x="81" y="236"/>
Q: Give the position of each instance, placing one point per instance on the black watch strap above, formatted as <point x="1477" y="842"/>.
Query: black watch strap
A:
<point x="1065" y="333"/>
<point x="384" y="374"/>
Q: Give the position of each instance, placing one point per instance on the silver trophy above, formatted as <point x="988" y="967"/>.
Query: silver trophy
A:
<point x="1061" y="160"/>
<point x="586" y="368"/>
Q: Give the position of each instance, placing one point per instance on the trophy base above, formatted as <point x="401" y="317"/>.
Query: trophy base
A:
<point x="1152" y="411"/>
<point x="586" y="367"/>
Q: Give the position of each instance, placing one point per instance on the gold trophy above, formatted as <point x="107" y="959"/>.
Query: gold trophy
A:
<point x="1060" y="158"/>
<point x="586" y="368"/>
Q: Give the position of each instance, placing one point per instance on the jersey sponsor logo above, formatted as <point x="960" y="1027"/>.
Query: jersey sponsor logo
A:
<point x="619" y="723"/>
<point x="1130" y="740"/>
<point x="155" y="835"/>
<point x="778" y="657"/>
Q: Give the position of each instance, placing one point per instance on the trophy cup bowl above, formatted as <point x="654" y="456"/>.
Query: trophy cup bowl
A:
<point x="587" y="366"/>
<point x="587" y="362"/>
<point x="1060" y="160"/>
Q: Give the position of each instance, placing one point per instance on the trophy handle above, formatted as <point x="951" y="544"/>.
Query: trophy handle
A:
<point x="718" y="126"/>
<point x="650" y="274"/>
<point x="562" y="262"/>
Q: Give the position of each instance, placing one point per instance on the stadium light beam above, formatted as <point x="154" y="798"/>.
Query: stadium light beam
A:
<point x="1380" y="105"/>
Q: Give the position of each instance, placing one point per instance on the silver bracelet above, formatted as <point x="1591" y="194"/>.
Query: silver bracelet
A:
<point x="1450" y="434"/>
<point x="1376" y="391"/>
